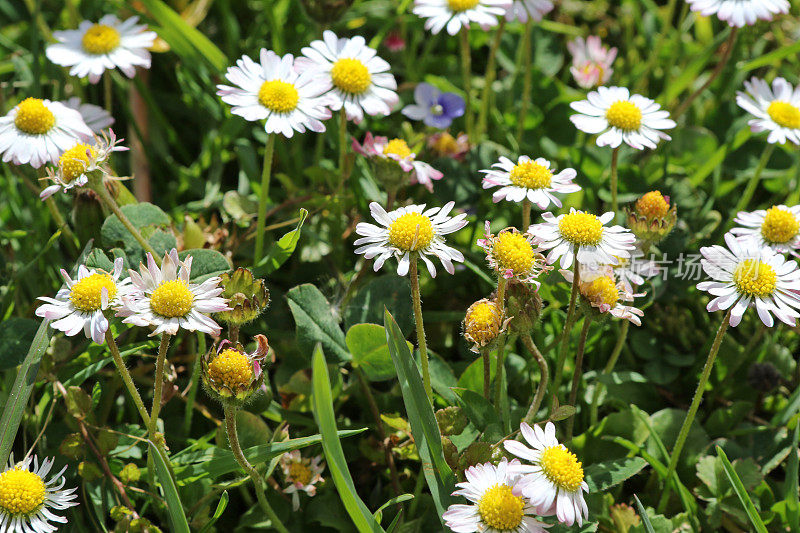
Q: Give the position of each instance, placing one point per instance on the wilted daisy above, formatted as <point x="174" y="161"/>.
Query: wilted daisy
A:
<point x="231" y="374"/>
<point x="97" y="118"/>
<point x="513" y="255"/>
<point x="633" y="119"/>
<point x="445" y="145"/>
<point x="272" y="90"/>
<point x="524" y="10"/>
<point x="483" y="323"/>
<point x="361" y="82"/>
<point x="81" y="305"/>
<point x="496" y="505"/>
<point x="96" y="47"/>
<point x="601" y="290"/>
<point x="301" y="474"/>
<point x="595" y="243"/>
<point x="164" y="298"/>
<point x="777" y="227"/>
<point x="397" y="151"/>
<point x="407" y="230"/>
<point x="740" y="12"/>
<point x="591" y="61"/>
<point x="554" y="480"/>
<point x="38" y="131"/>
<point x="28" y="499"/>
<point x="777" y="110"/>
<point x="748" y="274"/>
<point x="529" y="179"/>
<point x="457" y="14"/>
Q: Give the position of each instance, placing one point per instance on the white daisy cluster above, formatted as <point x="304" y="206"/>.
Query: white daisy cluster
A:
<point x="301" y="475"/>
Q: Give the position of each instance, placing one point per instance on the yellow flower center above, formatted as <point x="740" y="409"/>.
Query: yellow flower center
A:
<point x="350" y="76"/>
<point x="278" y="96"/>
<point x="780" y="226"/>
<point x="501" y="509"/>
<point x="482" y="323"/>
<point x="300" y="473"/>
<point x="784" y="114"/>
<point x="87" y="293"/>
<point x="624" y="115"/>
<point x="411" y="232"/>
<point x="601" y="290"/>
<point x="231" y="368"/>
<point x="100" y="39"/>
<point x="33" y="117"/>
<point x="21" y="491"/>
<point x="531" y="175"/>
<point x="172" y="299"/>
<point x="458" y="6"/>
<point x="446" y="144"/>
<point x="755" y="278"/>
<point x="581" y="228"/>
<point x="652" y="205"/>
<point x="562" y="468"/>
<point x="397" y="147"/>
<point x="512" y="251"/>
<point x="74" y="161"/>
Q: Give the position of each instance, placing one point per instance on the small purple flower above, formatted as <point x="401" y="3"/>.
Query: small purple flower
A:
<point x="433" y="107"/>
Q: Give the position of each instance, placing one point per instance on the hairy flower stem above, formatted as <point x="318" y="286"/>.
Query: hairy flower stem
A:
<point x="526" y="215"/>
<point x="576" y="376"/>
<point x="258" y="483"/>
<point x="263" y="197"/>
<point x="501" y="357"/>
<point x="108" y="92"/>
<point x="568" y="323"/>
<point x="502" y="283"/>
<point x="194" y="382"/>
<point x="422" y="343"/>
<point x="614" y="162"/>
<point x="612" y="361"/>
<point x="126" y="377"/>
<point x="491" y="75"/>
<point x="487" y="372"/>
<point x="687" y="422"/>
<point x="543" y="380"/>
<point x="466" y="73"/>
<point x="527" y="80"/>
<point x="158" y="386"/>
<point x="747" y="195"/>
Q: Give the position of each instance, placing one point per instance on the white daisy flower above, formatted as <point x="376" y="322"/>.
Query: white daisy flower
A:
<point x="747" y="274"/>
<point x="523" y="10"/>
<point x="554" y="481"/>
<point x="302" y="474"/>
<point x="497" y="504"/>
<point x="82" y="304"/>
<point x="27" y="499"/>
<point x="513" y="254"/>
<point x="38" y="131"/>
<point x="457" y="14"/>
<point x="595" y="243"/>
<point x="407" y="230"/>
<point x="397" y="150"/>
<point x="601" y="290"/>
<point x="272" y="90"/>
<point x="633" y="119"/>
<point x="94" y="48"/>
<point x="360" y="80"/>
<point x="97" y="118"/>
<point x="528" y="179"/>
<point x="164" y="298"/>
<point x="633" y="271"/>
<point x="777" y="227"/>
<point x="740" y="12"/>
<point x="777" y="110"/>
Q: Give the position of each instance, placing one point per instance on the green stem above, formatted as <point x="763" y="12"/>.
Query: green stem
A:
<point x="466" y="74"/>
<point x="527" y="80"/>
<point x="158" y="385"/>
<point x="614" y="162"/>
<point x="526" y="214"/>
<point x="194" y="382"/>
<point x="487" y="373"/>
<point x="501" y="356"/>
<point x="342" y="146"/>
<point x="489" y="77"/>
<point x="543" y="380"/>
<point x="687" y="422"/>
<point x="612" y="361"/>
<point x="61" y="223"/>
<point x="423" y="345"/>
<point x="263" y="197"/>
<point x="107" y="92"/>
<point x="568" y="323"/>
<point x="653" y="56"/>
<point x="502" y="283"/>
<point x="747" y="195"/>
<point x="576" y="375"/>
<point x="126" y="377"/>
<point x="258" y="483"/>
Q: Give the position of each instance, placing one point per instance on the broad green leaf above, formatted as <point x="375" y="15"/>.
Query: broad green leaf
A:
<point x="390" y="292"/>
<point x="315" y="322"/>
<point x="151" y="222"/>
<point x="174" y="506"/>
<point x="602" y="476"/>
<point x="279" y="252"/>
<point x="205" y="263"/>
<point x="741" y="492"/>
<point x="221" y="505"/>
<point x="481" y="413"/>
<point x="16" y="336"/>
<point x="367" y="344"/>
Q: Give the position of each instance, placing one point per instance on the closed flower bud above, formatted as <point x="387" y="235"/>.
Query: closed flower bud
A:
<point x="248" y="297"/>
<point x="524" y="305"/>
<point x="483" y="323"/>
<point x="451" y="420"/>
<point x="232" y="375"/>
<point x="652" y="218"/>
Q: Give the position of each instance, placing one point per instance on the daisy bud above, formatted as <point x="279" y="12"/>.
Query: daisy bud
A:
<point x="248" y="297"/>
<point x="483" y="323"/>
<point x="451" y="420"/>
<point x="652" y="217"/>
<point x="524" y="305"/>
<point x="230" y="374"/>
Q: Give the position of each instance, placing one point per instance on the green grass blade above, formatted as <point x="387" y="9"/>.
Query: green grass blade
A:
<point x="223" y="503"/>
<point x="174" y="506"/>
<point x="741" y="492"/>
<point x="791" y="490"/>
<point x="772" y="58"/>
<point x="397" y="499"/>
<point x="282" y="250"/>
<point x="643" y="514"/>
<point x="322" y="404"/>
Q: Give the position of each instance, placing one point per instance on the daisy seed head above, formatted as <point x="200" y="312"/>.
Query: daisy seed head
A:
<point x="21" y="491"/>
<point x="652" y="205"/>
<point x="602" y="290"/>
<point x="531" y="175"/>
<point x="562" y="468"/>
<point x="350" y="75"/>
<point x="457" y="6"/>
<point x="33" y="117"/>
<point x="87" y="293"/>
<point x="624" y="115"/>
<point x="278" y="96"/>
<point x="410" y="232"/>
<point x="755" y="278"/>
<point x="483" y="322"/>
<point x="780" y="226"/>
<point x="397" y="147"/>
<point x="172" y="299"/>
<point x="231" y="368"/>
<point x="100" y="39"/>
<point x="500" y="508"/>
<point x="784" y="114"/>
<point x="74" y="161"/>
<point x="581" y="228"/>
<point x="513" y="251"/>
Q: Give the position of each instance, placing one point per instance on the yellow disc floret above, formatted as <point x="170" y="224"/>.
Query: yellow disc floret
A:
<point x="483" y="321"/>
<point x="780" y="226"/>
<point x="299" y="473"/>
<point x="784" y="114"/>
<point x="531" y="175"/>
<point x="602" y="290"/>
<point x="755" y="279"/>
<point x="86" y="294"/>
<point x="411" y="232"/>
<point x="33" y="117"/>
<point x="445" y="144"/>
<point x="74" y="161"/>
<point x="652" y="205"/>
<point x="581" y="228"/>
<point x="624" y="115"/>
<point x="100" y="39"/>
<point x="562" y="468"/>
<point x="21" y="492"/>
<point x="397" y="147"/>
<point x="457" y="6"/>
<point x="172" y="299"/>
<point x="278" y="96"/>
<point x="512" y="251"/>
<point x="232" y="369"/>
<point x="501" y="509"/>
<point x="350" y="75"/>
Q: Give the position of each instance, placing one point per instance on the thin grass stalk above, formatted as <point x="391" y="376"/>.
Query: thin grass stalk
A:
<point x="576" y="375"/>
<point x="263" y="197"/>
<point x="541" y="389"/>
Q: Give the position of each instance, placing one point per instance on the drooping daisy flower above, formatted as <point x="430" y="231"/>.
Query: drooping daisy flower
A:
<point x="301" y="474"/>
<point x="524" y="10"/>
<point x="96" y="47"/>
<point x="407" y="230"/>
<point x="97" y="118"/>
<point x="595" y="243"/>
<point x="360" y="80"/>
<point x="591" y="61"/>
<point x="164" y="298"/>
<point x="82" y="304"/>
<point x="433" y="107"/>
<point x="777" y="227"/>
<point x="740" y="12"/>
<point x="600" y="289"/>
<point x="457" y="14"/>
<point x="272" y="90"/>
<point x="633" y="119"/>
<point x="777" y="110"/>
<point x="38" y="131"/>
<point x="747" y="274"/>
<point x="529" y="179"/>
<point x="513" y="255"/>
<point x="398" y="152"/>
<point x="554" y="480"/>
<point x="497" y="504"/>
<point x="27" y="499"/>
